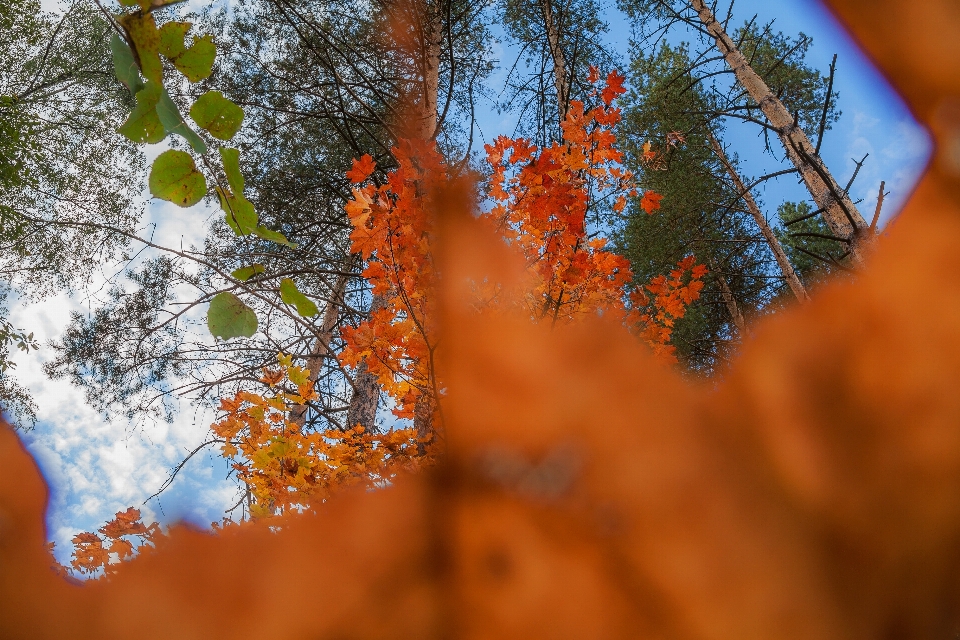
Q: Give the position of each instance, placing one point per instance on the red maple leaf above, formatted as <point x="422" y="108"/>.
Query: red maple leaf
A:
<point x="614" y="87"/>
<point x="361" y="169"/>
<point x="650" y="201"/>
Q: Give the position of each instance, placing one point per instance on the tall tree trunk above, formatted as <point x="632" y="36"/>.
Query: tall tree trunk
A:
<point x="321" y="344"/>
<point x="366" y="390"/>
<point x="731" y="302"/>
<point x="425" y="120"/>
<point x="839" y="211"/>
<point x="561" y="78"/>
<point x="789" y="274"/>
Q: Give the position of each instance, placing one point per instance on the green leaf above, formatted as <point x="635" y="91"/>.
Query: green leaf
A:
<point x="124" y="65"/>
<point x="196" y="63"/>
<point x="240" y="214"/>
<point x="171" y="38"/>
<point x="273" y="236"/>
<point x="142" y="30"/>
<point x="218" y="115"/>
<point x="174" y="177"/>
<point x="228" y="317"/>
<point x="292" y="296"/>
<point x="245" y="273"/>
<point x="231" y="167"/>
<point x="143" y="124"/>
<point x="173" y="122"/>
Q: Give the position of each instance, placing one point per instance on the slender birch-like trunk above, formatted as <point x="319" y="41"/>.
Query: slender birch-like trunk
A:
<point x="561" y="79"/>
<point x="839" y="211"/>
<point x="731" y="303"/>
<point x="789" y="274"/>
<point x="321" y="344"/>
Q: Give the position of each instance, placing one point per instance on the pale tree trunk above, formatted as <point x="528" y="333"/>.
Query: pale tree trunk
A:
<point x="561" y="79"/>
<point x="839" y="211"/>
<point x="366" y="390"/>
<point x="731" y="303"/>
<point x="321" y="344"/>
<point x="789" y="274"/>
<point x="424" y="120"/>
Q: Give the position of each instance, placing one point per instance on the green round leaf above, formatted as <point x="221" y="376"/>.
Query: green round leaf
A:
<point x="292" y="296"/>
<point x="174" y="177"/>
<point x="218" y="115"/>
<point x="171" y="38"/>
<point x="197" y="62"/>
<point x="143" y="124"/>
<point x="228" y="317"/>
<point x="245" y="273"/>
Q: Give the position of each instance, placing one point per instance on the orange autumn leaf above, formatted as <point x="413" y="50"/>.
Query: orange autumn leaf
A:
<point x="614" y="87"/>
<point x="125" y="523"/>
<point x="650" y="201"/>
<point x="361" y="169"/>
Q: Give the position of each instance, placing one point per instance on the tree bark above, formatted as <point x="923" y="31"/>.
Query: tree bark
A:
<point x="839" y="212"/>
<point x="366" y="390"/>
<point x="561" y="79"/>
<point x="789" y="274"/>
<point x="731" y="303"/>
<point x="321" y="345"/>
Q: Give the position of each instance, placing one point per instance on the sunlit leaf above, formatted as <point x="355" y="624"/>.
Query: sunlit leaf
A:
<point x="174" y="177"/>
<point x="228" y="317"/>
<point x="240" y="214"/>
<point x="171" y="38"/>
<point x="245" y="273"/>
<point x="218" y="115"/>
<point x="173" y="122"/>
<point x="196" y="63"/>
<point x="142" y="30"/>
<point x="292" y="296"/>
<point x="143" y="124"/>
<point x="124" y="64"/>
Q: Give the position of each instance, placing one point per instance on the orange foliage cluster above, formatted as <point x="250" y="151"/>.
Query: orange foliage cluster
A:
<point x="810" y="493"/>
<point x="285" y="467"/>
<point x="93" y="552"/>
<point x="391" y="230"/>
<point x="671" y="297"/>
<point x="541" y="199"/>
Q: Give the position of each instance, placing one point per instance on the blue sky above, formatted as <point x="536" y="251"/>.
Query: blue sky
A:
<point x="95" y="467"/>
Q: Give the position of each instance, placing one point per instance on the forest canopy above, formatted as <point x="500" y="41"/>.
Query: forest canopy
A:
<point x="309" y="143"/>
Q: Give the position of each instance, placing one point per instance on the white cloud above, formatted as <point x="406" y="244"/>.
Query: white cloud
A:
<point x="96" y="467"/>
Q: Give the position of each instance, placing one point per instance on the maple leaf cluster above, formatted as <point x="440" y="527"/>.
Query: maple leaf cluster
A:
<point x="665" y="301"/>
<point x="112" y="544"/>
<point x="391" y="230"/>
<point x="285" y="467"/>
<point x="540" y="201"/>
